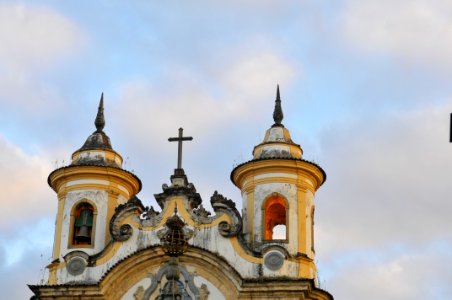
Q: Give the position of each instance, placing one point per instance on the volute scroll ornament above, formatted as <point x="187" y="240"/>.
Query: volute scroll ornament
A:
<point x="119" y="231"/>
<point x="222" y="205"/>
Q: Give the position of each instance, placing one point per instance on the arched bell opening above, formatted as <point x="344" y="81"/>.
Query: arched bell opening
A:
<point x="83" y="220"/>
<point x="275" y="211"/>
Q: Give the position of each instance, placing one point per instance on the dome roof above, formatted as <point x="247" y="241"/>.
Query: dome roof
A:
<point x="97" y="140"/>
<point x="277" y="142"/>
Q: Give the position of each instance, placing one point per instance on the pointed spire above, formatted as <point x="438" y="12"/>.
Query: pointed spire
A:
<point x="277" y="113"/>
<point x="100" y="120"/>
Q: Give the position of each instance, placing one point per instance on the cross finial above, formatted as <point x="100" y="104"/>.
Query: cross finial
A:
<point x="277" y="113"/>
<point x="180" y="139"/>
<point x="100" y="120"/>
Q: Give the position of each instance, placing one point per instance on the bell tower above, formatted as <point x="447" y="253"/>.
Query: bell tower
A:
<point x="88" y="191"/>
<point x="278" y="188"/>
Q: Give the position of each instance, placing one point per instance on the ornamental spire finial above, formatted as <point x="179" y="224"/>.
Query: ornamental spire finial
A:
<point x="277" y="113"/>
<point x="100" y="120"/>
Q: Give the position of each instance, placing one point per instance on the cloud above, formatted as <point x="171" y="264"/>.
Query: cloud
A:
<point x="382" y="218"/>
<point x="393" y="273"/>
<point x="23" y="182"/>
<point x="389" y="180"/>
<point x="207" y="105"/>
<point x="34" y="39"/>
<point x="413" y="31"/>
<point x="24" y="253"/>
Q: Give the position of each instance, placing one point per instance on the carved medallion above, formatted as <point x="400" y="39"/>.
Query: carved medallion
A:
<point x="274" y="260"/>
<point x="76" y="266"/>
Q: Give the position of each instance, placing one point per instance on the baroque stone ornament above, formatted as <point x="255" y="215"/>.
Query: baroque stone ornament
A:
<point x="221" y="205"/>
<point x="178" y="282"/>
<point x="201" y="212"/>
<point x="76" y="262"/>
<point x="204" y="292"/>
<point x="274" y="260"/>
<point x="122" y="232"/>
<point x="76" y="266"/>
<point x="174" y="241"/>
<point x="138" y="295"/>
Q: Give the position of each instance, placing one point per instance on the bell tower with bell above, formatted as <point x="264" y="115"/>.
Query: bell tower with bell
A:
<point x="88" y="191"/>
<point x="278" y="188"/>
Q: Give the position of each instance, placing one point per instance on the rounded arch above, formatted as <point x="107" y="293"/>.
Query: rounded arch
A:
<point x="81" y="201"/>
<point x="82" y="224"/>
<point x="275" y="211"/>
<point x="129" y="271"/>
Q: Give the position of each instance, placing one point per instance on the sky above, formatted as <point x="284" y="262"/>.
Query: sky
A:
<point x="365" y="88"/>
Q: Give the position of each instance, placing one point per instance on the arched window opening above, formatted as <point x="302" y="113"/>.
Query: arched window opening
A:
<point x="83" y="224"/>
<point x="275" y="219"/>
<point x="279" y="232"/>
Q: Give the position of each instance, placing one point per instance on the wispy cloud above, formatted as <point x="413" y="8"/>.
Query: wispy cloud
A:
<point x="417" y="31"/>
<point x="34" y="39"/>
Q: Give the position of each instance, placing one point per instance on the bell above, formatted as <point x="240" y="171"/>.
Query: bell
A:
<point x="83" y="235"/>
<point x="84" y="225"/>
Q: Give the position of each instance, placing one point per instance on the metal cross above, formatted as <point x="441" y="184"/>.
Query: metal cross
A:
<point x="180" y="139"/>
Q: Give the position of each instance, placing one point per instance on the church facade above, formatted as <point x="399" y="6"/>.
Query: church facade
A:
<point x="108" y="245"/>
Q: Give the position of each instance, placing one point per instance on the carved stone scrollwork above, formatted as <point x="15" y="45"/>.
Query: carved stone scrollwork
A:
<point x="138" y="295"/>
<point x="150" y="217"/>
<point x="224" y="228"/>
<point x="204" y="292"/>
<point x="125" y="232"/>
<point x="122" y="232"/>
<point x="201" y="212"/>
<point x="222" y="205"/>
<point x="194" y="199"/>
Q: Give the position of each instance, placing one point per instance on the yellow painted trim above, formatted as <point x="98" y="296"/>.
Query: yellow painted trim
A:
<point x="239" y="250"/>
<point x="309" y="175"/>
<point x="58" y="229"/>
<point x="60" y="177"/>
<point x="111" y="205"/>
<point x="301" y="206"/>
<point x="250" y="215"/>
<point x="52" y="276"/>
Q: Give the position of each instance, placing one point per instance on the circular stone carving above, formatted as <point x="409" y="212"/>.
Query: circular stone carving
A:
<point x="274" y="260"/>
<point x="76" y="266"/>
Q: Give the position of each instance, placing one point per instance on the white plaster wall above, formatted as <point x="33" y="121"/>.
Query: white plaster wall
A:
<point x="289" y="268"/>
<point x="99" y="198"/>
<point x="208" y="238"/>
<point x="244" y="210"/>
<point x="211" y="240"/>
<point x="138" y="240"/>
